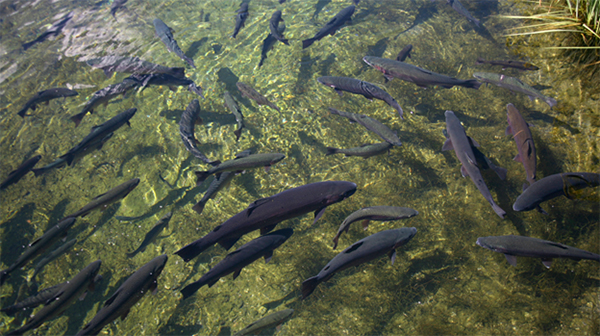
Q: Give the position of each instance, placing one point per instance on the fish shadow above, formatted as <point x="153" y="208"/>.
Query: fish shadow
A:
<point x="14" y="236"/>
<point x="107" y="215"/>
<point x="304" y="73"/>
<point x="326" y="64"/>
<point x="57" y="213"/>
<point x="195" y="47"/>
<point x="180" y="314"/>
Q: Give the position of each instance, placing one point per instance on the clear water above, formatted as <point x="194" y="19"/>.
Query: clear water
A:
<point x="441" y="282"/>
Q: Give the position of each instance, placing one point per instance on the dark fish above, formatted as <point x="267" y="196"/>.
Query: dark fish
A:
<point x="332" y="26"/>
<point x="53" y="31"/>
<point x="509" y="64"/>
<point x="15" y="175"/>
<point x="360" y="252"/>
<point x="189" y="118"/>
<point x="167" y="80"/>
<point x="103" y="96"/>
<point x="237" y="113"/>
<point x="235" y="261"/>
<point x="249" y="92"/>
<point x="99" y="133"/>
<point x="62" y="299"/>
<point x="116" y="5"/>
<point x="240" y="164"/>
<point x="518" y="127"/>
<point x="376" y="213"/>
<point x="269" y="321"/>
<point x="405" y="52"/>
<point x="274" y="27"/>
<point x="266" y="213"/>
<point x="462" y="11"/>
<point x="133" y="65"/>
<point x="240" y="19"/>
<point x="53" y="255"/>
<point x="513" y="84"/>
<point x="365" y="150"/>
<point x="359" y="87"/>
<point x="482" y="161"/>
<point x="215" y="186"/>
<point x="553" y="186"/>
<point x="152" y="234"/>
<point x="520" y="246"/>
<point x="410" y="73"/>
<point x="371" y="124"/>
<point x="45" y="97"/>
<point x="102" y="201"/>
<point x="268" y="44"/>
<point x="127" y="295"/>
<point x="458" y="140"/>
<point x="281" y="1"/>
<point x="165" y="33"/>
<point x="319" y="7"/>
<point x="39" y="245"/>
<point x="33" y="301"/>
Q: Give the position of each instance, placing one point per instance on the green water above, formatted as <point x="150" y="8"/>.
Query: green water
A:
<point x="441" y="282"/>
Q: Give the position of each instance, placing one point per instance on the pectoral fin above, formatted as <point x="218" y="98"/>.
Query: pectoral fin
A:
<point x="365" y="224"/>
<point x="268" y="256"/>
<point x="547" y="262"/>
<point x="511" y="259"/>
<point x="392" y="255"/>
<point x="447" y="145"/>
<point x="318" y="214"/>
<point x="463" y="171"/>
<point x="236" y="273"/>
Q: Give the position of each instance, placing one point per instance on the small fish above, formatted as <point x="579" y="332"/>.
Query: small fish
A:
<point x="53" y="255"/>
<point x="45" y="97"/>
<point x="132" y="65"/>
<point x="267" y="322"/>
<point x="215" y="186"/>
<point x="268" y="44"/>
<point x="360" y="252"/>
<point x="237" y="113"/>
<point x="520" y="246"/>
<point x="152" y="234"/>
<point x="165" y="33"/>
<point x="513" y="84"/>
<point x="115" y="7"/>
<point x="240" y="19"/>
<point x="462" y="11"/>
<point x="359" y="87"/>
<point x="127" y="295"/>
<point x="167" y="80"/>
<point x="33" y="301"/>
<point x="15" y="175"/>
<point x="249" y="92"/>
<point x="405" y="52"/>
<point x="331" y="26"/>
<point x="235" y="261"/>
<point x="274" y="27"/>
<point x="518" y="127"/>
<point x="365" y="150"/>
<point x="376" y="213"/>
<point x="102" y="201"/>
<point x="371" y="124"/>
<point x="53" y="31"/>
<point x="509" y="64"/>
<point x="103" y="96"/>
<point x="240" y="164"/>
<point x="189" y="118"/>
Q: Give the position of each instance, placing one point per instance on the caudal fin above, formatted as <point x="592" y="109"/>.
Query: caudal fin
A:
<point x="307" y="43"/>
<point x="331" y="150"/>
<point x="77" y="118"/>
<point x="309" y="285"/>
<point x="177" y="72"/>
<point x="190" y="289"/>
<point x="498" y="210"/>
<point x="201" y="175"/>
<point x="190" y="251"/>
<point x="198" y="207"/>
<point x="472" y="84"/>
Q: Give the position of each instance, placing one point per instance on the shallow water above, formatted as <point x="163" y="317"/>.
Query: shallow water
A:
<point x="441" y="281"/>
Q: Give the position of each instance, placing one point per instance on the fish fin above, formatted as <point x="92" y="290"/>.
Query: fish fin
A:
<point x="330" y="151"/>
<point x="215" y="163"/>
<point x="339" y="92"/>
<point x="172" y="88"/>
<point x="508" y="130"/>
<point x="518" y="158"/>
<point x="256" y="204"/>
<point x="154" y="287"/>
<point x="501" y="172"/>
<point x="266" y="229"/>
<point x="318" y="214"/>
<point x="268" y="256"/>
<point x="306" y="43"/>
<point x="309" y="285"/>
<point x="547" y="262"/>
<point x="498" y="210"/>
<point x="471" y="160"/>
<point x="365" y="224"/>
<point x="201" y="176"/>
<point x="95" y="198"/>
<point x="77" y="118"/>
<point x="479" y="60"/>
<point x="463" y="171"/>
<point x="447" y="145"/>
<point x="124" y="315"/>
<point x="228" y="242"/>
<point x="108" y="73"/>
<point x="82" y="296"/>
<point x="198" y="121"/>
<point x="473" y="142"/>
<point x="353" y="248"/>
<point x="243" y="153"/>
<point x="369" y="97"/>
<point x="392" y="255"/>
<point x="267" y="168"/>
<point x="335" y="241"/>
<point x="213" y="282"/>
<point x="112" y="298"/>
<point x="237" y="133"/>
<point x="540" y="210"/>
<point x="198" y="207"/>
<point x="192" y="288"/>
<point x="511" y="259"/>
<point x="236" y="273"/>
<point x="532" y="98"/>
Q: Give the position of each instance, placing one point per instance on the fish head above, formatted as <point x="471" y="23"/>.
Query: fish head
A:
<point x="404" y="236"/>
<point x="370" y="60"/>
<point x="490" y="244"/>
<point x="326" y="81"/>
<point x="159" y="265"/>
<point x="341" y="191"/>
<point x="93" y="269"/>
<point x="277" y="158"/>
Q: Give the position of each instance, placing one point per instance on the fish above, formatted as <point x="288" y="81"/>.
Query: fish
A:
<point x="371" y="124"/>
<point x="152" y="234"/>
<point x="269" y="321"/>
<point x="377" y="213"/>
<point x="167" y="80"/>
<point x="274" y="27"/>
<point x="240" y="164"/>
<point x="360" y="252"/>
<point x="215" y="186"/>
<point x="45" y="97"/>
<point x="115" y="7"/>
<point x="553" y="186"/>
<point x="127" y="295"/>
<point x="266" y="213"/>
<point x="345" y="15"/>
<point x="53" y="31"/>
<point x="102" y="201"/>
<point x="235" y="261"/>
<point x="189" y="118"/>
<point x="518" y="127"/>
<point x="515" y="85"/>
<point x="240" y="19"/>
<point x="237" y="113"/>
<point x="366" y="150"/>
<point x="53" y="255"/>
<point x="165" y="34"/>
<point x="103" y="96"/>
<point x="250" y="93"/>
<point x="133" y="65"/>
<point x="15" y="175"/>
<point x="63" y="298"/>
<point x="405" y="52"/>
<point x="356" y="86"/>
<point x="98" y="134"/>
<point x="393" y="69"/>
<point x="521" y="246"/>
<point x="508" y="64"/>
<point x="458" y="140"/>
<point x="268" y="44"/>
<point x="39" y="245"/>
<point x="462" y="11"/>
<point x="319" y="7"/>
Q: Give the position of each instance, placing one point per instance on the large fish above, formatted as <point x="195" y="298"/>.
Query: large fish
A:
<point x="53" y="31"/>
<point x="152" y="234"/>
<point x="102" y="201"/>
<point x="269" y="321"/>
<point x="165" y="34"/>
<point x="44" y="97"/>
<point x="52" y="255"/>
<point x="133" y="65"/>
<point x="376" y="213"/>
<point x="366" y="150"/>
<point x="371" y="124"/>
<point x="240" y="164"/>
<point x="457" y="6"/>
<point x="235" y="261"/>
<point x="421" y="77"/>
<point x="331" y="26"/>
<point x="553" y="186"/>
<point x="513" y="84"/>
<point x="215" y="186"/>
<point x="189" y="119"/>
<point x="509" y="64"/>
<point x="167" y="80"/>
<point x="360" y="252"/>
<point x="240" y="19"/>
<point x="237" y="113"/>
<point x="249" y="92"/>
<point x="268" y="44"/>
<point x="518" y="127"/>
<point x="127" y="295"/>
<point x="274" y="27"/>
<point x="15" y="175"/>
<point x="513" y="246"/>
<point x="458" y="140"/>
<point x="356" y="86"/>
<point x="266" y="213"/>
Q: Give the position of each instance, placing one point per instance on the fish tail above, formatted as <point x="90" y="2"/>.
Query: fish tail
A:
<point x="38" y="171"/>
<point x="28" y="45"/>
<point x="238" y="133"/>
<point x="22" y="112"/>
<point x="480" y="61"/>
<point x="307" y="43"/>
<point x="190" y="289"/>
<point x="77" y="118"/>
<point x="335" y="241"/>
<point x="132" y="254"/>
<point x="3" y="276"/>
<point x="473" y="84"/>
<point x="201" y="175"/>
<point x="196" y="89"/>
<point x="331" y="150"/>
<point x="498" y="210"/>
<point x="285" y="41"/>
<point x="10" y="311"/>
<point x="309" y="285"/>
<point x="199" y="207"/>
<point x="551" y="101"/>
<point x="177" y="72"/>
<point x="190" y="251"/>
